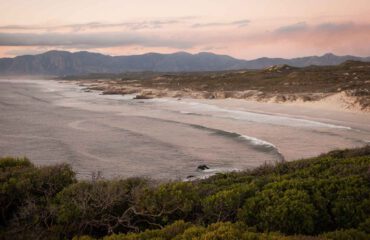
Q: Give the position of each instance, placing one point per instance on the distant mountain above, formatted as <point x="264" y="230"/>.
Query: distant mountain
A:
<point x="328" y="59"/>
<point x="67" y="63"/>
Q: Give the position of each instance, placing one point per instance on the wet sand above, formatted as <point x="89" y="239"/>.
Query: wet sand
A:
<point x="51" y="122"/>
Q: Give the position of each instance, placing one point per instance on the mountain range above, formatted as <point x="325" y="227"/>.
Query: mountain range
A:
<point x="61" y="63"/>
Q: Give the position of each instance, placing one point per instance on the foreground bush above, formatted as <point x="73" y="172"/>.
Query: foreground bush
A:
<point x="327" y="197"/>
<point x="98" y="208"/>
<point x="349" y="234"/>
<point x="217" y="231"/>
<point x="26" y="193"/>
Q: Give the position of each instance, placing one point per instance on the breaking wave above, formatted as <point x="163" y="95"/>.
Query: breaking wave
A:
<point x="255" y="143"/>
<point x="201" y="109"/>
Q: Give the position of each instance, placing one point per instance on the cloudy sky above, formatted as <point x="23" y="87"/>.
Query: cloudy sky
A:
<point x="241" y="28"/>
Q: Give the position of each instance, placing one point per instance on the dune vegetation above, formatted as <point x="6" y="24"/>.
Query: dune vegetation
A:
<point x="326" y="197"/>
<point x="279" y="84"/>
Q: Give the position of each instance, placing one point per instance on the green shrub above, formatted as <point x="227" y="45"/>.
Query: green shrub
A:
<point x="168" y="202"/>
<point x="194" y="232"/>
<point x="217" y="231"/>
<point x="97" y="208"/>
<point x="224" y="205"/>
<point x="26" y="193"/>
<point x="365" y="226"/>
<point x="280" y="211"/>
<point x="27" y="189"/>
<point x="327" y="195"/>
<point x="350" y="234"/>
<point x="167" y="233"/>
<point x="9" y="162"/>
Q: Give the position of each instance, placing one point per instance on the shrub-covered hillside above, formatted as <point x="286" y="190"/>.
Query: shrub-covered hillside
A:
<point x="327" y="197"/>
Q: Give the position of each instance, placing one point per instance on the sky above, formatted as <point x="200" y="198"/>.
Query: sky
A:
<point x="245" y="29"/>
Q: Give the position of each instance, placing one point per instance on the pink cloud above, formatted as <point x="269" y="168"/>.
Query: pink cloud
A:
<point x="250" y="41"/>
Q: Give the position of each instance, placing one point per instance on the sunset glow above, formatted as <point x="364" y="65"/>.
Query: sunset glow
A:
<point x="243" y="29"/>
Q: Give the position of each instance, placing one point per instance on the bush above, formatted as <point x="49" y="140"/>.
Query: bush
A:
<point x="350" y="234"/>
<point x="26" y="193"/>
<point x="224" y="205"/>
<point x="23" y="185"/>
<point x="14" y="185"/>
<point x="365" y="226"/>
<point x="327" y="195"/>
<point x="97" y="208"/>
<point x="7" y="163"/>
<point x="280" y="211"/>
<point x="168" y="202"/>
<point x="218" y="231"/>
<point x="167" y="233"/>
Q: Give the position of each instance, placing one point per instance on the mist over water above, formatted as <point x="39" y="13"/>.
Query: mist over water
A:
<point x="51" y="122"/>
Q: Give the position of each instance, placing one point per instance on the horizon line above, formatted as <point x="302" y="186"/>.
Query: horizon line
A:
<point x="176" y="52"/>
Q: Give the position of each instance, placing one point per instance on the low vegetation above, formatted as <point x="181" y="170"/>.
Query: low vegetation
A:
<point x="283" y="83"/>
<point x="327" y="197"/>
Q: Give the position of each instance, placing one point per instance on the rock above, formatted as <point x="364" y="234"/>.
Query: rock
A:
<point x="280" y="98"/>
<point x="202" y="167"/>
<point x="279" y="68"/>
<point x="142" y="97"/>
<point x="306" y="98"/>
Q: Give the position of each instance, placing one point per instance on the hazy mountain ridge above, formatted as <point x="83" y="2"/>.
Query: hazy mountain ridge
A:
<point x="67" y="63"/>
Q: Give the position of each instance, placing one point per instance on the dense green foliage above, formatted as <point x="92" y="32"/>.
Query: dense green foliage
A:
<point x="327" y="197"/>
<point x="26" y="192"/>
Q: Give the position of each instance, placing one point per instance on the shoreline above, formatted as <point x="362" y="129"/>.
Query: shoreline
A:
<point x="308" y="110"/>
<point x="178" y="133"/>
<point x="340" y="101"/>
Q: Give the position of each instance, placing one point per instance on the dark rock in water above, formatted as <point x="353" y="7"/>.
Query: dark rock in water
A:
<point x="202" y="167"/>
<point x="190" y="176"/>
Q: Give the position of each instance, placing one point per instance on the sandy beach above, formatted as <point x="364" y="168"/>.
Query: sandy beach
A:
<point x="164" y="138"/>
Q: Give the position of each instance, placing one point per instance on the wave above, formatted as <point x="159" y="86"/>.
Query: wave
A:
<point x="261" y="143"/>
<point x="255" y="143"/>
<point x="201" y="109"/>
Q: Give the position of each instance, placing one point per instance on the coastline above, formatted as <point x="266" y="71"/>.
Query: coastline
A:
<point x="339" y="101"/>
<point x="328" y="110"/>
<point x="165" y="138"/>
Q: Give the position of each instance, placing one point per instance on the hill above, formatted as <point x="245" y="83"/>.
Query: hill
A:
<point x="66" y="63"/>
<point x="60" y="63"/>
